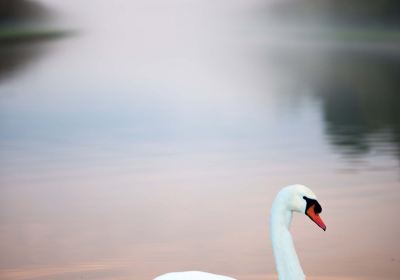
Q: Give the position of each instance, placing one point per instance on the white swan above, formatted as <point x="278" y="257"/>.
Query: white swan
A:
<point x="295" y="198"/>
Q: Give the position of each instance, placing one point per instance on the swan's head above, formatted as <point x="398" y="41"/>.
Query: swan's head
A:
<point x="301" y="199"/>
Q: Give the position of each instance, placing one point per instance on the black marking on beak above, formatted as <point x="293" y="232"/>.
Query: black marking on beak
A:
<point x="311" y="202"/>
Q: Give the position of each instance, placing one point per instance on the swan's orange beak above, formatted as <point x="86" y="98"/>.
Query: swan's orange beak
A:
<point x="315" y="217"/>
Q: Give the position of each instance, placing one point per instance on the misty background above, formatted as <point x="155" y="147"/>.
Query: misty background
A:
<point x="141" y="137"/>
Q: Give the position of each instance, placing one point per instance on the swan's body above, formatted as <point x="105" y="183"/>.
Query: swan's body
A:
<point x="295" y="198"/>
<point x="192" y="275"/>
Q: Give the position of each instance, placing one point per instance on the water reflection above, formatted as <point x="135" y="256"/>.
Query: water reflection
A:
<point x="358" y="92"/>
<point x="347" y="56"/>
<point x="344" y="13"/>
<point x="360" y="101"/>
<point x="15" y="58"/>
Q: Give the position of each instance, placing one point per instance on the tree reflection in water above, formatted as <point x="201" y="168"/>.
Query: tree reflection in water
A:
<point x="358" y="87"/>
<point x="360" y="101"/>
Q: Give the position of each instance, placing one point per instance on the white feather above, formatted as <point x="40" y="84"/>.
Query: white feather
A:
<point x="192" y="275"/>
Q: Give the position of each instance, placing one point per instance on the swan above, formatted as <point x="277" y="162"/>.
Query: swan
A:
<point x="293" y="198"/>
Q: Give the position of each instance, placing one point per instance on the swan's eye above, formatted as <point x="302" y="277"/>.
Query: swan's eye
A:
<point x="311" y="202"/>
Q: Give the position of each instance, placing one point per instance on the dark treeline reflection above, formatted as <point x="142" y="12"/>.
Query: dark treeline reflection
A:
<point x="359" y="95"/>
<point x="16" y="57"/>
<point x="360" y="101"/>
<point x="351" y="63"/>
<point x="381" y="13"/>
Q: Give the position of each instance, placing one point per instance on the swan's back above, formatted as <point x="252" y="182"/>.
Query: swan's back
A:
<point x="192" y="275"/>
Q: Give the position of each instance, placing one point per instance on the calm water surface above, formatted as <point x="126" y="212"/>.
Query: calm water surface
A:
<point x="156" y="139"/>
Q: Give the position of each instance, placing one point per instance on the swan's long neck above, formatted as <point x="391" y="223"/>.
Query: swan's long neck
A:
<point x="287" y="262"/>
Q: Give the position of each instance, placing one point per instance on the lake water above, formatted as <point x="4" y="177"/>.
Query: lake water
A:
<point x="155" y="139"/>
